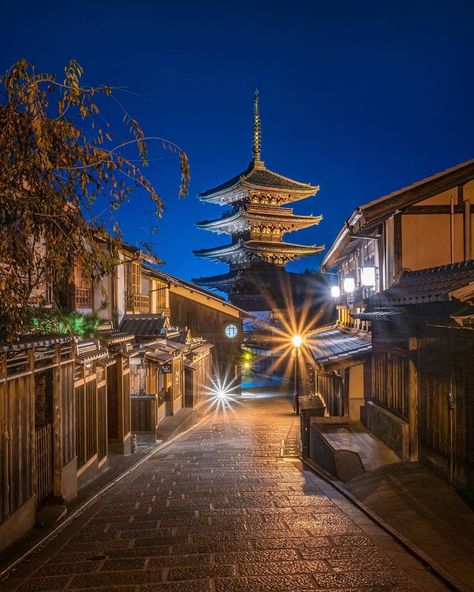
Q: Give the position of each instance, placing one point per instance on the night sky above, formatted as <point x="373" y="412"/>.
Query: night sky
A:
<point x="360" y="98"/>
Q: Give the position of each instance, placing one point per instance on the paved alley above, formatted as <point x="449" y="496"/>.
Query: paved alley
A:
<point x="221" y="510"/>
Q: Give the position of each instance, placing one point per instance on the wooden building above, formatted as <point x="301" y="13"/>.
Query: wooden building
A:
<point x="419" y="235"/>
<point x="205" y="315"/>
<point x="167" y="376"/>
<point x="37" y="431"/>
<point x="422" y="369"/>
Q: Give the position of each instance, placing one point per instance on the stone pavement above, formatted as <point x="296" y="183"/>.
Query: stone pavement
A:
<point x="426" y="510"/>
<point x="220" y="510"/>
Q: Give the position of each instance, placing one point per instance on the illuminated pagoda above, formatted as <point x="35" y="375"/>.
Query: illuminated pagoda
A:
<point x="257" y="223"/>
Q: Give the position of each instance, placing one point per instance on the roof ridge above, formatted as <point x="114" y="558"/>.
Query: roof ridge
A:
<point x="468" y="263"/>
<point x="264" y="168"/>
<point x="418" y="183"/>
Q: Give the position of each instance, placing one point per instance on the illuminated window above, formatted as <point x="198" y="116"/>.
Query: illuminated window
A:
<point x="231" y="331"/>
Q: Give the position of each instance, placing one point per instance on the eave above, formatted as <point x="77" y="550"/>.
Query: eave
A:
<point x="242" y="250"/>
<point x="367" y="218"/>
<point x="252" y="180"/>
<point x="249" y="218"/>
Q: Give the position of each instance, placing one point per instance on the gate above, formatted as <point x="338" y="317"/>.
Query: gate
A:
<point x="331" y="388"/>
<point x="44" y="434"/>
<point x="446" y="404"/>
<point x="44" y="462"/>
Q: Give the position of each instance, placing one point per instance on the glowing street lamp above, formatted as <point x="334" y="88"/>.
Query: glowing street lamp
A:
<point x="349" y="285"/>
<point x="297" y="342"/>
<point x="335" y="291"/>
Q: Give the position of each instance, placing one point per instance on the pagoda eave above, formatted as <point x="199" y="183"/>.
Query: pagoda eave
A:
<point x="243" y="220"/>
<point x="218" y="281"/>
<point x="241" y="252"/>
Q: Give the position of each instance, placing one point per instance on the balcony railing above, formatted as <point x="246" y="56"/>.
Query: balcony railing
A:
<point x="138" y="302"/>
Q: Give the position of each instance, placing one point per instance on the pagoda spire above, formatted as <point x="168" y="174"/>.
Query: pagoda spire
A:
<point x="257" y="130"/>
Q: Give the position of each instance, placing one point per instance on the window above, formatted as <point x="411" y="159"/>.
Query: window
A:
<point x="231" y="331"/>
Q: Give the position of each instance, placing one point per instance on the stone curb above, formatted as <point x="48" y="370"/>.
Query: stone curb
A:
<point x="432" y="564"/>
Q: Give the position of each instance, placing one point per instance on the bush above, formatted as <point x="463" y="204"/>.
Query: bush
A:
<point x="47" y="321"/>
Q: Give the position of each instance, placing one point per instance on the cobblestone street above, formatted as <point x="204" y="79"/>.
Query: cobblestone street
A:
<point x="221" y="510"/>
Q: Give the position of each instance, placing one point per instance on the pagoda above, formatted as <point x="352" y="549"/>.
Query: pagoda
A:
<point x="256" y="222"/>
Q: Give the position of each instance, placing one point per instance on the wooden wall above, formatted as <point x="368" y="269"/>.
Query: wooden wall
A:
<point x="390" y="376"/>
<point x="208" y="322"/>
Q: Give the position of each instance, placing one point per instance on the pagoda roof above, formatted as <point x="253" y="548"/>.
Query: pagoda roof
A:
<point x="276" y="216"/>
<point x="224" y="279"/>
<point x="243" y="251"/>
<point x="257" y="176"/>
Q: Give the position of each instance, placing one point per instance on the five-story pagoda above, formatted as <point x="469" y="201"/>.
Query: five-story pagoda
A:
<point x="257" y="223"/>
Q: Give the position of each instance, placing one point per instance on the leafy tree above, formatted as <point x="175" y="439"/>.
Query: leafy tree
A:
<point x="60" y="162"/>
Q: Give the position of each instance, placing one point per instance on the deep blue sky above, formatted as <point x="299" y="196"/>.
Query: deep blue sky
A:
<point x="358" y="97"/>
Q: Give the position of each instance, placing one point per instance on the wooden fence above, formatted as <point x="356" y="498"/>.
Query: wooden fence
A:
<point x="35" y="442"/>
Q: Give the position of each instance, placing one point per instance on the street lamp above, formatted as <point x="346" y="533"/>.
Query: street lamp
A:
<point x="297" y="342"/>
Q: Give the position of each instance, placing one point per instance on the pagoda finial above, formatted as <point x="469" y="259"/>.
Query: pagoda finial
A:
<point x="257" y="130"/>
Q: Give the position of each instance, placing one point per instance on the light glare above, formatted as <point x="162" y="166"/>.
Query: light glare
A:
<point x="296" y="340"/>
<point x="335" y="291"/>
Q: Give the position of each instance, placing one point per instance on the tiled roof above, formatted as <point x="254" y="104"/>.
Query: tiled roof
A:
<point x="334" y="344"/>
<point x="261" y="177"/>
<point x="35" y="341"/>
<point x="434" y="284"/>
<point x="377" y="315"/>
<point x="113" y="336"/>
<point x="147" y="325"/>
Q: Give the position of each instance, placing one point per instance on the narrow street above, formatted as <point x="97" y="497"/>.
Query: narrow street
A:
<point x="221" y="510"/>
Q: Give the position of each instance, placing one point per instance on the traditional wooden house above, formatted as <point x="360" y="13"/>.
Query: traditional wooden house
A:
<point x="206" y="315"/>
<point x="170" y="375"/>
<point x="423" y="369"/>
<point x="421" y="234"/>
<point x="37" y="431"/>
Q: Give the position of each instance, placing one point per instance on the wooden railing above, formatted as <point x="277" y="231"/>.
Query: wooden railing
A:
<point x="44" y="462"/>
<point x="138" y="302"/>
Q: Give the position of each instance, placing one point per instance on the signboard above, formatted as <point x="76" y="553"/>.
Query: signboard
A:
<point x="167" y="368"/>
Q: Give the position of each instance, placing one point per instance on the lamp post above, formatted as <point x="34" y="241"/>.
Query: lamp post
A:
<point x="297" y="341"/>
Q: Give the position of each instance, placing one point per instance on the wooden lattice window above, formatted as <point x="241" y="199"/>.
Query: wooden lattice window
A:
<point x="134" y="277"/>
